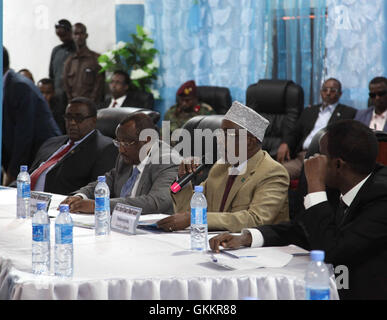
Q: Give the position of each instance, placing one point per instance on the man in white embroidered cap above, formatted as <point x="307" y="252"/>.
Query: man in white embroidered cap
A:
<point x="240" y="193"/>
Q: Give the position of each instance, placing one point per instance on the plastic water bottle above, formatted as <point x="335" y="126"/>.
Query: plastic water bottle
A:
<point x="41" y="240"/>
<point x="102" y="207"/>
<point x="64" y="242"/>
<point x="23" y="181"/>
<point x="199" y="226"/>
<point x="317" y="277"/>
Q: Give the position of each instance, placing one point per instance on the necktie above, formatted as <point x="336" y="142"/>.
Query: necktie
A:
<point x="230" y="181"/>
<point x="35" y="175"/>
<point x="128" y="186"/>
<point x="114" y="104"/>
<point x="340" y="212"/>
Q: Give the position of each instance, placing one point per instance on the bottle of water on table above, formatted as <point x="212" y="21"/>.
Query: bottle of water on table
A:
<point x="64" y="242"/>
<point x="23" y="181"/>
<point x="102" y="207"/>
<point x="317" y="277"/>
<point x="199" y="226"/>
<point x="41" y="240"/>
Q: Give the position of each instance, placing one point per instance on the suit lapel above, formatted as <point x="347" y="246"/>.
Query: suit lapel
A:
<point x="336" y="115"/>
<point x="141" y="183"/>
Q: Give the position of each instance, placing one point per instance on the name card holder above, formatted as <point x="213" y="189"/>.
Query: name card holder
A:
<point x="125" y="218"/>
<point x="39" y="197"/>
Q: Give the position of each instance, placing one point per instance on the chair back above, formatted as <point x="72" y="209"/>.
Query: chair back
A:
<point x="382" y="142"/>
<point x="219" y="98"/>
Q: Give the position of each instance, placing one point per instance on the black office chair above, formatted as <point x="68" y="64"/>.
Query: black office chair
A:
<point x="279" y="101"/>
<point x="109" y="118"/>
<point x="209" y="146"/>
<point x="218" y="98"/>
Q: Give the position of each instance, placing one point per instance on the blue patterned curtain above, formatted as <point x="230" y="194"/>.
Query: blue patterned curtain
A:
<point x="297" y="51"/>
<point x="214" y="42"/>
<point x="356" y="46"/>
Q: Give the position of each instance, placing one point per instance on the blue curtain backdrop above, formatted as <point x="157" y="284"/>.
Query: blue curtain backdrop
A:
<point x="214" y="42"/>
<point x="356" y="46"/>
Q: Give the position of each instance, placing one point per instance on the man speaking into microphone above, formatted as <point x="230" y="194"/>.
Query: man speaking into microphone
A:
<point x="240" y="193"/>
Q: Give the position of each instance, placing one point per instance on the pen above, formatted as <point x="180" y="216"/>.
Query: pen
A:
<point x="235" y="256"/>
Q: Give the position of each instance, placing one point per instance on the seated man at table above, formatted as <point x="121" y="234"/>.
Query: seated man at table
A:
<point x="242" y="193"/>
<point x="144" y="170"/>
<point x="65" y="163"/>
<point x="353" y="233"/>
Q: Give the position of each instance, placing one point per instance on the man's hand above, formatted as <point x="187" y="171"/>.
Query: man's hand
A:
<point x="315" y="168"/>
<point x="188" y="165"/>
<point x="283" y="153"/>
<point x="227" y="240"/>
<point x="77" y="204"/>
<point x="178" y="221"/>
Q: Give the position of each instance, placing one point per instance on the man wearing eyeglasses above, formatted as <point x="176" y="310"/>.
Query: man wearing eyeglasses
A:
<point x="292" y="150"/>
<point x="65" y="163"/>
<point x="144" y="171"/>
<point x="375" y="116"/>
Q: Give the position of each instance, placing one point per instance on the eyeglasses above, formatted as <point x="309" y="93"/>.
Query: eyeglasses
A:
<point x="326" y="89"/>
<point x="77" y="119"/>
<point x="124" y="144"/>
<point x="380" y="94"/>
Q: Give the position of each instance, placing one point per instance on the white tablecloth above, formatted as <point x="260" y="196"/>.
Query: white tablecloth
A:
<point x="142" y="266"/>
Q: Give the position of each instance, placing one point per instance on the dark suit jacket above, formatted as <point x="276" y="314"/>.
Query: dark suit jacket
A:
<point x="134" y="100"/>
<point x="27" y="122"/>
<point x="306" y="122"/>
<point x="358" y="242"/>
<point x="365" y="117"/>
<point x="153" y="193"/>
<point x="90" y="159"/>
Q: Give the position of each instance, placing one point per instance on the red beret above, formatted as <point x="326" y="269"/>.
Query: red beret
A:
<point x="187" y="89"/>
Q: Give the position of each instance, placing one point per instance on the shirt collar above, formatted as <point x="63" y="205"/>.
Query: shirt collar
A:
<point x="120" y="100"/>
<point x="382" y="116"/>
<point x="351" y="194"/>
<point x="79" y="141"/>
<point x="330" y="107"/>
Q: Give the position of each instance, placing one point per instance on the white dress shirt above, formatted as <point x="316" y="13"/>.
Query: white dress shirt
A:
<point x="322" y="120"/>
<point x="119" y="101"/>
<point x="310" y="200"/>
<point x="39" y="186"/>
<point x="378" y="121"/>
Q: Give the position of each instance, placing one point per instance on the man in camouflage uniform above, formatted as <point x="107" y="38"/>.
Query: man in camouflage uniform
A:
<point x="187" y="106"/>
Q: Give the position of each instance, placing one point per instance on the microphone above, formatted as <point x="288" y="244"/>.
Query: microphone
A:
<point x="181" y="182"/>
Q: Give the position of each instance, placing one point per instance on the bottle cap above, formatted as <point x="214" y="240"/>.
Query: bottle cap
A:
<point x="64" y="208"/>
<point x="198" y="188"/>
<point x="23" y="168"/>
<point x="101" y="179"/>
<point x="317" y="255"/>
<point x="41" y="205"/>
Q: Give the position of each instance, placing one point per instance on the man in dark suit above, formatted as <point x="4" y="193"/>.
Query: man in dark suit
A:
<point x="292" y="150"/>
<point x="27" y="121"/>
<point x="64" y="164"/>
<point x="119" y="85"/>
<point x="353" y="233"/>
<point x="375" y="116"/>
<point x="144" y="171"/>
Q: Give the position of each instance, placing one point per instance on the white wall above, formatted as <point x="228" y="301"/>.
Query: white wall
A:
<point x="29" y="33"/>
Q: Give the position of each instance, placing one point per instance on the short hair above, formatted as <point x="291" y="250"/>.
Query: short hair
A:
<point x="81" y="25"/>
<point x="377" y="80"/>
<point x="334" y="79"/>
<point x="5" y="59"/>
<point x="124" y="74"/>
<point x="86" y="101"/>
<point x="353" y="142"/>
<point x="45" y="81"/>
<point x="142" y="121"/>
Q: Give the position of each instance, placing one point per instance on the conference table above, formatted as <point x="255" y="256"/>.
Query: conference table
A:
<point x="143" y="266"/>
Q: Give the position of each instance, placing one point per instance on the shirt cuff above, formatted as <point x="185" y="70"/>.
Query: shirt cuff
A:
<point x="83" y="196"/>
<point x="312" y="199"/>
<point x="256" y="237"/>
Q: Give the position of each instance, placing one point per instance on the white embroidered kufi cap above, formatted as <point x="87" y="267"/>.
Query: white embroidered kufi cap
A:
<point x="248" y="119"/>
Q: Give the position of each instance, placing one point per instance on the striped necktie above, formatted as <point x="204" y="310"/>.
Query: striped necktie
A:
<point x="128" y="186"/>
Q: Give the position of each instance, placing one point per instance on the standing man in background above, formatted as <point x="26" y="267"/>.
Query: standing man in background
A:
<point x="81" y="75"/>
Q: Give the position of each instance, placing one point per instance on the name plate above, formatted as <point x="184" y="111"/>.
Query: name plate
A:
<point x="125" y="218"/>
<point x="39" y="197"/>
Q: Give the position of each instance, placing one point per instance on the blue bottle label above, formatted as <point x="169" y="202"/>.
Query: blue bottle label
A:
<point x="24" y="189"/>
<point x="40" y="232"/>
<point x="317" y="294"/>
<point x="63" y="234"/>
<point x="102" y="204"/>
<point x="198" y="215"/>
